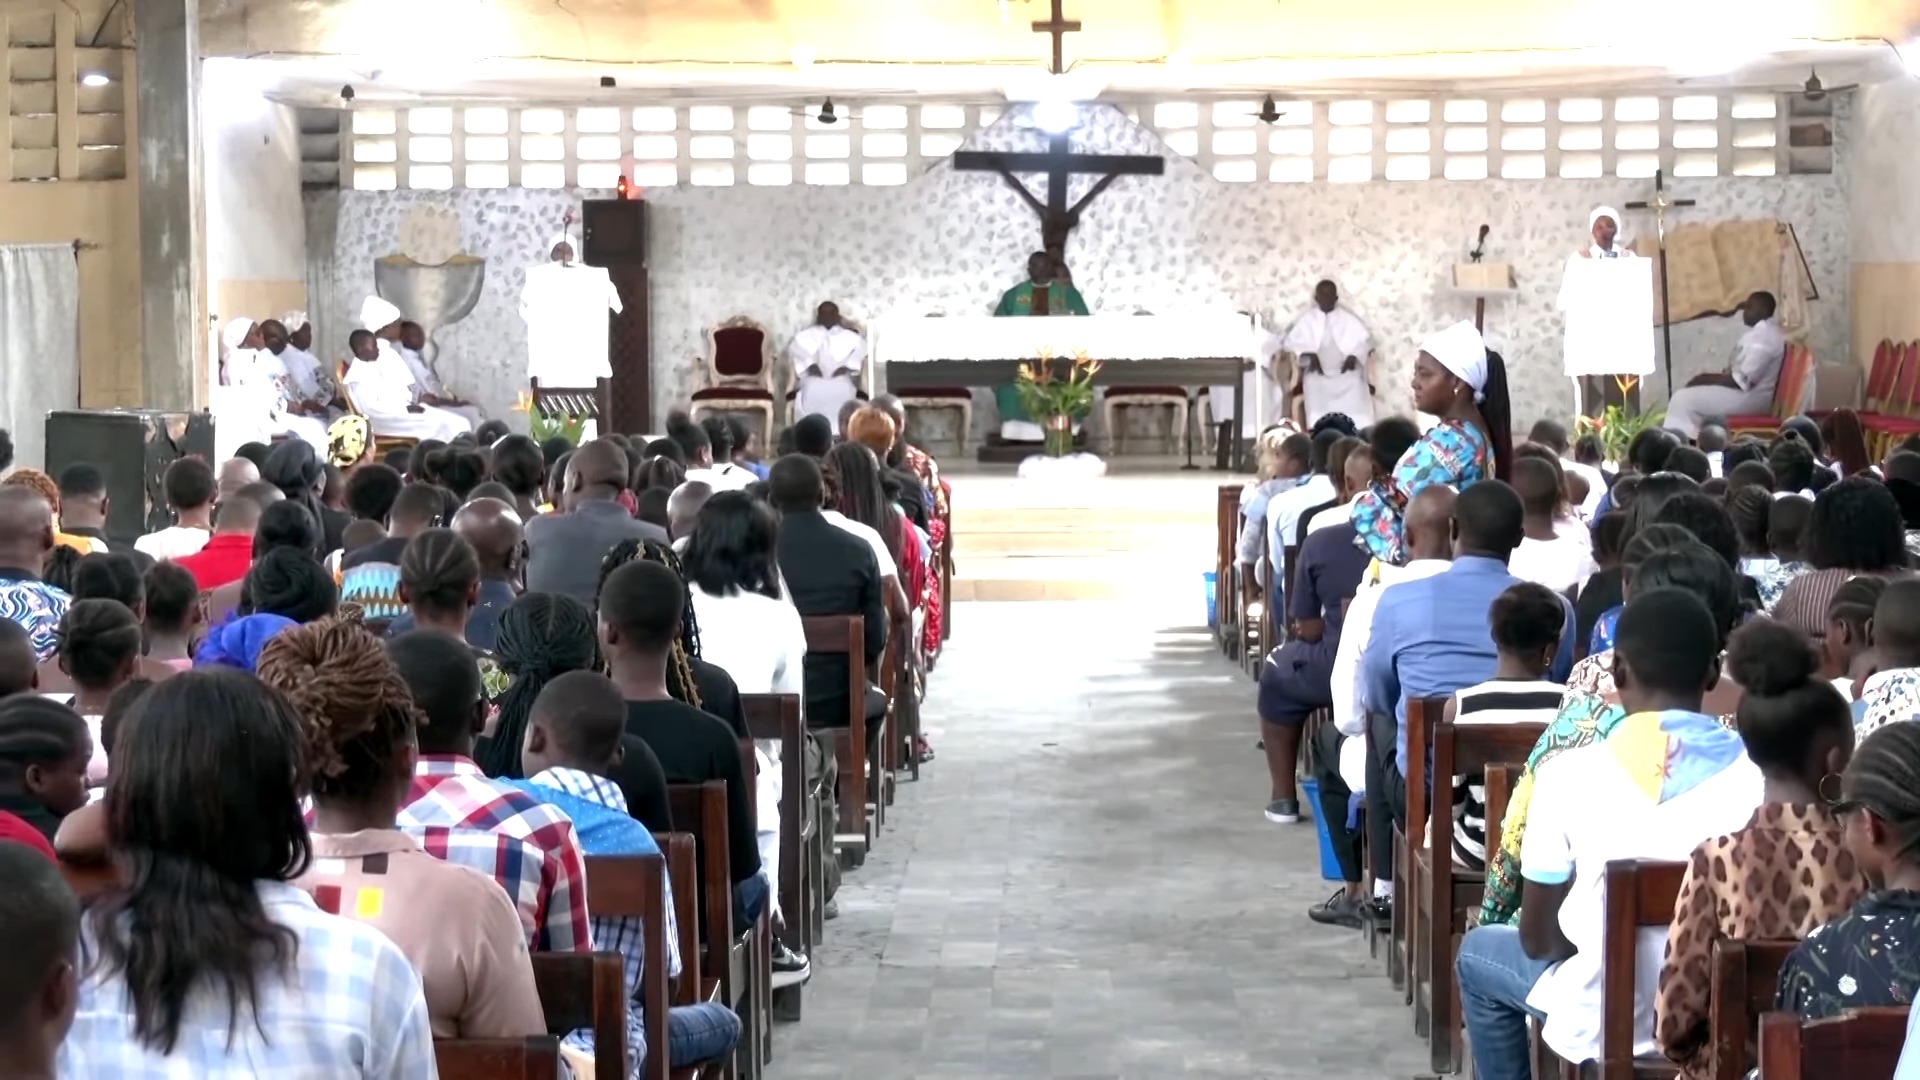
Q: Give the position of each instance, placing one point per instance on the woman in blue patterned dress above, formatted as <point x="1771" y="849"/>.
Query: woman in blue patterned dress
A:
<point x="1458" y="380"/>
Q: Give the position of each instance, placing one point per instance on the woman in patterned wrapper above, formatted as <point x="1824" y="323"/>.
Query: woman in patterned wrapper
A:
<point x="1457" y="379"/>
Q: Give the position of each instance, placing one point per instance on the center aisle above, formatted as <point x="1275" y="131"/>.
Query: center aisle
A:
<point x="1083" y="885"/>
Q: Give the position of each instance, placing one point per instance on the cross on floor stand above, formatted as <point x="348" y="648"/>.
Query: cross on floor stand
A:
<point x="1660" y="203"/>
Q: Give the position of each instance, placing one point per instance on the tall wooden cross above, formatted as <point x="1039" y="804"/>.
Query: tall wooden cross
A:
<point x="1660" y="203"/>
<point x="1058" y="161"/>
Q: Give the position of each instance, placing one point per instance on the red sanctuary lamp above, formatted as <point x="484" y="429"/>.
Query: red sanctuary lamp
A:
<point x="623" y="190"/>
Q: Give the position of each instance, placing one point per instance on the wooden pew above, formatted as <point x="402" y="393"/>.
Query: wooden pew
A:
<point x="759" y="937"/>
<point x="683" y="869"/>
<point x="1421" y="713"/>
<point x="1442" y="908"/>
<point x="1743" y="986"/>
<point x="732" y="955"/>
<point x="1501" y="780"/>
<point x="1857" y="1043"/>
<point x="776" y="717"/>
<point x="535" y="1058"/>
<point x="1640" y="893"/>
<point x="634" y="886"/>
<point x="586" y="990"/>
<point x="846" y="634"/>
<point x="1226" y="525"/>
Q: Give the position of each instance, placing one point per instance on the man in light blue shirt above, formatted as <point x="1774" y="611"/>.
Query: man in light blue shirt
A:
<point x="1432" y="637"/>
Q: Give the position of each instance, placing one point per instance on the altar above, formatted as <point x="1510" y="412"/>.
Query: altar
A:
<point x="1211" y="348"/>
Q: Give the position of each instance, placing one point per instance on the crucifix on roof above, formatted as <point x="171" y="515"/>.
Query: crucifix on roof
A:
<point x="1058" y="162"/>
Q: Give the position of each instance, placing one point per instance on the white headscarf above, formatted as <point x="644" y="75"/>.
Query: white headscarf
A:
<point x="1460" y="349"/>
<point x="572" y="243"/>
<point x="235" y="332"/>
<point x="1619" y="224"/>
<point x="376" y="313"/>
<point x="294" y="320"/>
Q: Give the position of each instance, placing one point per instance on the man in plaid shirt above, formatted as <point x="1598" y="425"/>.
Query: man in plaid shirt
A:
<point x="573" y="742"/>
<point x="457" y="813"/>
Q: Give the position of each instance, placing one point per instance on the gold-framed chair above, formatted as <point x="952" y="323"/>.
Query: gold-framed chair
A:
<point x="957" y="398"/>
<point x="1117" y="398"/>
<point x="739" y="372"/>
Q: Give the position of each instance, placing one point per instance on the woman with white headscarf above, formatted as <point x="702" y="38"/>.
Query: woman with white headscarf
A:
<point x="311" y="381"/>
<point x="382" y="388"/>
<point x="1458" y="380"/>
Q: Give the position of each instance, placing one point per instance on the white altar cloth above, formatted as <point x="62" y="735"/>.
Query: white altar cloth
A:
<point x="1189" y="335"/>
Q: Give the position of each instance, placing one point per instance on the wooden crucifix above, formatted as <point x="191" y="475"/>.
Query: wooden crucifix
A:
<point x="1660" y="203"/>
<point x="1058" y="161"/>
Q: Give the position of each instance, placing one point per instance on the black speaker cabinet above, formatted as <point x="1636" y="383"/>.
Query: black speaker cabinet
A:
<point x="616" y="238"/>
<point x="132" y="449"/>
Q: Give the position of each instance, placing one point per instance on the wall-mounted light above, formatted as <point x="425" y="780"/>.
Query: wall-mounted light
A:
<point x="607" y="82"/>
<point x="95" y="78"/>
<point x="802" y="56"/>
<point x="1055" y="116"/>
<point x="826" y="112"/>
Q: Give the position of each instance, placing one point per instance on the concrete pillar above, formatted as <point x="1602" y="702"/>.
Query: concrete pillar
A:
<point x="173" y="301"/>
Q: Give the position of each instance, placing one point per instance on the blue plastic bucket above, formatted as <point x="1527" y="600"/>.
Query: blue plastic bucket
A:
<point x="1213" y="606"/>
<point x="1329" y="865"/>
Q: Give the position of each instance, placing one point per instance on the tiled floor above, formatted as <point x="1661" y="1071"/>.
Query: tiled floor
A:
<point x="1083" y="885"/>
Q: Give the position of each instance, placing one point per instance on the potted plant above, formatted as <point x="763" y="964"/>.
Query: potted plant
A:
<point x="1056" y="402"/>
<point x="1617" y="424"/>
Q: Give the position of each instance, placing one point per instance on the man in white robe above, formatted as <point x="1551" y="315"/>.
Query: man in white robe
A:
<point x="1330" y="346"/>
<point x="565" y="305"/>
<point x="412" y="343"/>
<point x="826" y="360"/>
<point x="260" y="390"/>
<point x="1747" y="386"/>
<point x="382" y="388"/>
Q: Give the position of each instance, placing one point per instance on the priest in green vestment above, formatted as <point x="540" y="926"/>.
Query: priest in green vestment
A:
<point x="1047" y="291"/>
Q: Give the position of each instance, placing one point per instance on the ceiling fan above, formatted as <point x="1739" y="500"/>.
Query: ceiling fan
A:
<point x="1272" y="112"/>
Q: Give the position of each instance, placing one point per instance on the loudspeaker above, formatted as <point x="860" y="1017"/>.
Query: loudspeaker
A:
<point x="132" y="449"/>
<point x="616" y="238"/>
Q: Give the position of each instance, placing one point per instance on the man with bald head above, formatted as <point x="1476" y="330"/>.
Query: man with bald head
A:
<point x="236" y="473"/>
<point x="1429" y="537"/>
<point x="26" y="537"/>
<point x="564" y="550"/>
<point x="492" y="528"/>
<point x="683" y="507"/>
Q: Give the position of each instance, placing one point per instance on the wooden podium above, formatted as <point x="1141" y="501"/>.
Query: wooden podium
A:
<point x="615" y="237"/>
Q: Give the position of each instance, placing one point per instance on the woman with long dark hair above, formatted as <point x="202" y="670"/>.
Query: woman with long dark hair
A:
<point x="733" y="578"/>
<point x="1458" y="379"/>
<point x="857" y="502"/>
<point x="207" y="956"/>
<point x="301" y="476"/>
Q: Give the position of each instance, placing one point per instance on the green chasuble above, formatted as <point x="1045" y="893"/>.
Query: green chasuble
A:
<point x="1019" y="300"/>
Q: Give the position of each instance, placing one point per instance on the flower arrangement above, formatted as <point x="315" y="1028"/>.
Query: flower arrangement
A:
<point x="1617" y="424"/>
<point x="1054" y="402"/>
<point x="543" y="426"/>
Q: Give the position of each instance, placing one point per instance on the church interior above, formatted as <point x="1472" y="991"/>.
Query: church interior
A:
<point x="1077" y="887"/>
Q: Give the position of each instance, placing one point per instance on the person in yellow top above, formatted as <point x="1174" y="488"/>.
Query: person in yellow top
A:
<point x="42" y="485"/>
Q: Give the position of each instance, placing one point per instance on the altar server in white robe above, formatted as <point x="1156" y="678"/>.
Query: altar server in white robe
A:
<point x="565" y="305"/>
<point x="264" y="394"/>
<point x="826" y="360"/>
<point x="412" y="343"/>
<point x="311" y="379"/>
<point x="382" y="387"/>
<point x="1330" y="346"/>
<point x="1747" y="386"/>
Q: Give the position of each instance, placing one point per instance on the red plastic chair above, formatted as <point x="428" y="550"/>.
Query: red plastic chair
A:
<point x="1788" y="394"/>
<point x="1897" y="421"/>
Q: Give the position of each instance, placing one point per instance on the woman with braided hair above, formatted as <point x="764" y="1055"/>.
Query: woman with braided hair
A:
<point x="691" y="679"/>
<point x="453" y="923"/>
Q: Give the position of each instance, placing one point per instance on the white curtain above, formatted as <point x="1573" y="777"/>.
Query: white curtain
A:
<point x="39" y="342"/>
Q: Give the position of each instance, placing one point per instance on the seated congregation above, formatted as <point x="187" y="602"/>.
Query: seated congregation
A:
<point x="474" y="757"/>
<point x="1610" y="759"/>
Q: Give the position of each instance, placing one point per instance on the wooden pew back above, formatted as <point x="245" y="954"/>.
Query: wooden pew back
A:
<point x="535" y="1058"/>
<point x="586" y="990"/>
<point x="776" y="718"/>
<point x="846" y="634"/>
<point x="634" y="886"/>
<point x="1640" y="893"/>
<point x="1858" y="1043"/>
<point x="1743" y="985"/>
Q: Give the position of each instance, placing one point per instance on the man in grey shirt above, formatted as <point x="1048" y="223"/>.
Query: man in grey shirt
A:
<point x="564" y="549"/>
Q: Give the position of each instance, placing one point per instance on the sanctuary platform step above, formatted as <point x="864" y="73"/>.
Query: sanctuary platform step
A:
<point x="1142" y="532"/>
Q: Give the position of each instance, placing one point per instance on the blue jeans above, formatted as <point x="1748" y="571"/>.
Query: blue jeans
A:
<point x="697" y="1033"/>
<point x="1496" y="975"/>
<point x="749" y="900"/>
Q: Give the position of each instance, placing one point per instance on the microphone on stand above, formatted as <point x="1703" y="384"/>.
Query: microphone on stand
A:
<point x="1481" y="248"/>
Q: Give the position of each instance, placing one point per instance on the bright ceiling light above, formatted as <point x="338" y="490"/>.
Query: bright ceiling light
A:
<point x="1179" y="58"/>
<point x="1910" y="56"/>
<point x="802" y="56"/>
<point x="1055" y="117"/>
<point x="95" y="78"/>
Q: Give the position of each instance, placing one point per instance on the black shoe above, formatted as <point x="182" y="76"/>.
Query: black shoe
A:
<point x="1339" y="910"/>
<point x="1379" y="910"/>
<point x="789" y="967"/>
